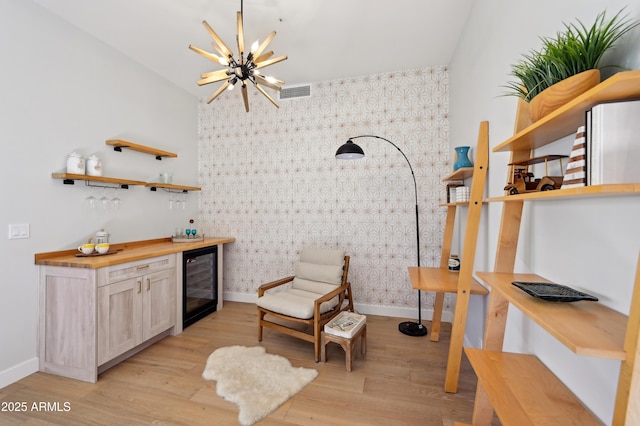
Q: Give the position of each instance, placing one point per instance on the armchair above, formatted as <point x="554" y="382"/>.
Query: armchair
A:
<point x="317" y="292"/>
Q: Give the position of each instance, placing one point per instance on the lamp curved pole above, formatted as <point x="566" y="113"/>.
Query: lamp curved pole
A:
<point x="413" y="329"/>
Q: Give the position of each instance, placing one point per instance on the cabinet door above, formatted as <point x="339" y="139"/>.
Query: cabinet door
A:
<point x="159" y="311"/>
<point x="119" y="318"/>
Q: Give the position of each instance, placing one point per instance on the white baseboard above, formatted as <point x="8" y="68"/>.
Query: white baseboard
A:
<point x="17" y="372"/>
<point x="240" y="297"/>
<point x="385" y="311"/>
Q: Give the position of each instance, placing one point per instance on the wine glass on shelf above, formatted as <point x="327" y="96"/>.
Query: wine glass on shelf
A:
<point x="105" y="201"/>
<point x="193" y="232"/>
<point x="91" y="200"/>
<point x="115" y="201"/>
<point x="188" y="231"/>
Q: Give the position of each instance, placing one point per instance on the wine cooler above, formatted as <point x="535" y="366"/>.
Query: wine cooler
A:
<point x="200" y="284"/>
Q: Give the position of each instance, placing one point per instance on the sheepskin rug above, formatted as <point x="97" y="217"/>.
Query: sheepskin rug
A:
<point x="257" y="382"/>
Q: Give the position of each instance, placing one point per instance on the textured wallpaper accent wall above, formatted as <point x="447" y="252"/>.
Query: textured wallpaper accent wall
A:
<point x="270" y="179"/>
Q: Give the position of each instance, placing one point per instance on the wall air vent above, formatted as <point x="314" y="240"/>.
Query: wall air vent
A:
<point x="295" y="92"/>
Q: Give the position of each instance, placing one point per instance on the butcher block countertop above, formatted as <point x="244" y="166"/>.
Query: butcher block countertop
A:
<point x="124" y="252"/>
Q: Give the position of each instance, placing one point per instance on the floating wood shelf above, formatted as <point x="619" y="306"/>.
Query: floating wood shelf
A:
<point x="525" y="392"/>
<point x="441" y="280"/>
<point x="171" y="187"/>
<point x="566" y="119"/>
<point x="584" y="191"/>
<point x="459" y="204"/>
<point x="118" y="144"/>
<point x="460" y="174"/>
<point x="69" y="179"/>
<point x="586" y="327"/>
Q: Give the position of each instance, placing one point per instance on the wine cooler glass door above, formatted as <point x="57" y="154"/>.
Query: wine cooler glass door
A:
<point x="200" y="284"/>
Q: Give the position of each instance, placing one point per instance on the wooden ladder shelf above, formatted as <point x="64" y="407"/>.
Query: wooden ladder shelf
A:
<point x="441" y="280"/>
<point x="506" y="381"/>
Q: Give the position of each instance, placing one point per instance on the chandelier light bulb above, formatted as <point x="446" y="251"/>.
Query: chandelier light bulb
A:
<point x="222" y="61"/>
<point x="271" y="79"/>
<point x="254" y="46"/>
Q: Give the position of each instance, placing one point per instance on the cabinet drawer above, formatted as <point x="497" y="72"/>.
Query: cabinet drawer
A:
<point x="116" y="273"/>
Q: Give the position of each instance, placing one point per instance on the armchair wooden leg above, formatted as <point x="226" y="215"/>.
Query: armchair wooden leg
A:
<point x="316" y="341"/>
<point x="260" y="318"/>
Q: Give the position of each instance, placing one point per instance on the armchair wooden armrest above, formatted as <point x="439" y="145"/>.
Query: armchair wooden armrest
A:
<point x="344" y="291"/>
<point x="264" y="287"/>
<point x="331" y="295"/>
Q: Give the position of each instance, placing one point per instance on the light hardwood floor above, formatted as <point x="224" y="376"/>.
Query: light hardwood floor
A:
<point x="399" y="382"/>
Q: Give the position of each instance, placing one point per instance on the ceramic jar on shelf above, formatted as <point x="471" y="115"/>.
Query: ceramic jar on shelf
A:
<point x="94" y="166"/>
<point x="75" y="164"/>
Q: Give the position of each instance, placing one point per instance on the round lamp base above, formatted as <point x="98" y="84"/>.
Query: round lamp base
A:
<point x="414" y="329"/>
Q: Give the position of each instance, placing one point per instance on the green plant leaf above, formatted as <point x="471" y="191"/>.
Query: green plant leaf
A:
<point x="576" y="49"/>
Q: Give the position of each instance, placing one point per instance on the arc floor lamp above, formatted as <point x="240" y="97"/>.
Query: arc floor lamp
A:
<point x="351" y="151"/>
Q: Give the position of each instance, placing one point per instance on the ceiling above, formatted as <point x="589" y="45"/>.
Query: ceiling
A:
<point x="324" y="39"/>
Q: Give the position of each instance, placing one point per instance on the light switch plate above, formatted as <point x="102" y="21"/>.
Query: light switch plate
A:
<point x="20" y="230"/>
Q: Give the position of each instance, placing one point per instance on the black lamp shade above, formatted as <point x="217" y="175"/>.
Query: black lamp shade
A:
<point x="349" y="151"/>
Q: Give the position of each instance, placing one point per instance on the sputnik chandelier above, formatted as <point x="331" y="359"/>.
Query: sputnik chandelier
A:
<point x="243" y="69"/>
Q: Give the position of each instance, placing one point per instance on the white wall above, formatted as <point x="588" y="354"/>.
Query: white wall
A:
<point x="590" y="244"/>
<point x="61" y="91"/>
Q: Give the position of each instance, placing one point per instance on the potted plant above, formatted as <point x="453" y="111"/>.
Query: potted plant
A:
<point x="566" y="65"/>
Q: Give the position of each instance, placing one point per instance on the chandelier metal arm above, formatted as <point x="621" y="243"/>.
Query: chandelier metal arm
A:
<point x="213" y="77"/>
<point x="264" y="57"/>
<point x="264" y="44"/>
<point x="240" y="38"/>
<point x="270" y="62"/>
<point x="245" y="96"/>
<point x="219" y="91"/>
<point x="257" y="78"/>
<point x="265" y="93"/>
<point x="225" y="50"/>
<point x="210" y="56"/>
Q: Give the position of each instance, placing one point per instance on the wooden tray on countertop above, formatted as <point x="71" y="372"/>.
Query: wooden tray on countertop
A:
<point x="95" y="253"/>
<point x="187" y="240"/>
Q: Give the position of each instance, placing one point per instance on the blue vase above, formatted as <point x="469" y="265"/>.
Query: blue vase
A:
<point x="462" y="158"/>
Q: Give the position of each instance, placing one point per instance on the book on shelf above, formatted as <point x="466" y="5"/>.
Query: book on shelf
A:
<point x="613" y="143"/>
<point x="345" y="324"/>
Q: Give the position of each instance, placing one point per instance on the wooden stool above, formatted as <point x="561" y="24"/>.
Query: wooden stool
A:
<point x="346" y="343"/>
